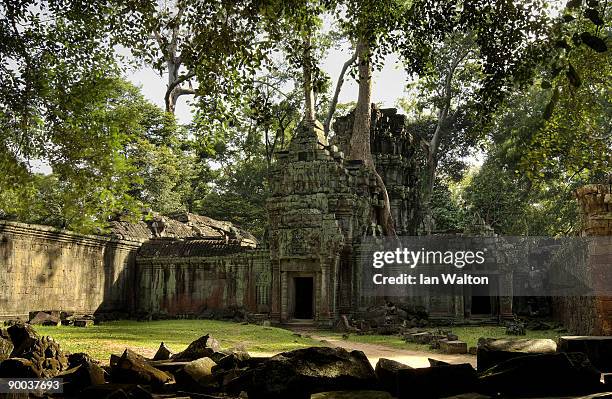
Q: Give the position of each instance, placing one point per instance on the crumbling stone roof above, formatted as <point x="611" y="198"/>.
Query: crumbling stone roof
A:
<point x="165" y="247"/>
<point x="182" y="225"/>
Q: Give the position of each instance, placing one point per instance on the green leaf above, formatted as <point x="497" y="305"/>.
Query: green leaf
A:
<point x="594" y="42"/>
<point x="545" y="84"/>
<point x="593" y="15"/>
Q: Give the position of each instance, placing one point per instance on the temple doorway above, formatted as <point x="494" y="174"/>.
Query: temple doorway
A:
<point x="303" y="298"/>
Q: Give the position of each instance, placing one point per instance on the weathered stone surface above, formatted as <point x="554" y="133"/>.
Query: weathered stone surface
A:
<point x="471" y="395"/>
<point x="163" y="353"/>
<point x="83" y="322"/>
<point x="436" y="382"/>
<point x="196" y="350"/>
<point x="598" y="349"/>
<point x="386" y="372"/>
<point x="542" y="374"/>
<point x="6" y="347"/>
<point x="83" y="375"/>
<point x="45" y="319"/>
<point x="22" y="335"/>
<point x="19" y="368"/>
<point x="492" y="351"/>
<point x="45" y="354"/>
<point x="435" y="362"/>
<point x="39" y="258"/>
<point x="453" y="347"/>
<point x="133" y="368"/>
<point x="200" y="370"/>
<point x="352" y="395"/>
<point x="299" y="373"/>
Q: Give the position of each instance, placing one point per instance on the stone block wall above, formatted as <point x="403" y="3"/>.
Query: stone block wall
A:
<point x="591" y="315"/>
<point x="182" y="285"/>
<point x="42" y="268"/>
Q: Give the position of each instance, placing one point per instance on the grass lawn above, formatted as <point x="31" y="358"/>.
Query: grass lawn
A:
<point x="468" y="334"/>
<point x="144" y="337"/>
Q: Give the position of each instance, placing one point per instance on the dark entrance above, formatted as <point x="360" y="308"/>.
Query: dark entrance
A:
<point x="483" y="297"/>
<point x="303" y="298"/>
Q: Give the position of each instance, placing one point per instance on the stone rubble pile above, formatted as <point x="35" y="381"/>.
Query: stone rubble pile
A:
<point x="506" y="368"/>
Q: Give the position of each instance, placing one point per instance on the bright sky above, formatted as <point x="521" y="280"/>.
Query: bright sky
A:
<point x="388" y="84"/>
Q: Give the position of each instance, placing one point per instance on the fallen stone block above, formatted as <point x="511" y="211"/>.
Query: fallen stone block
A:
<point x="386" y="372"/>
<point x="196" y="350"/>
<point x="6" y="347"/>
<point x="163" y="353"/>
<point x="542" y="374"/>
<point x="83" y="323"/>
<point x="597" y="348"/>
<point x="45" y="354"/>
<point x="453" y="347"/>
<point x="298" y="374"/>
<point x="436" y="382"/>
<point x="132" y="368"/>
<point x="45" y="319"/>
<point x="352" y="395"/>
<point x="435" y="362"/>
<point x="492" y="351"/>
<point x="81" y="376"/>
<point x="419" y="338"/>
<point x="22" y="335"/>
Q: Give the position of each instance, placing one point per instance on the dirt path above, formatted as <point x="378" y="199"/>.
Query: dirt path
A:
<point x="410" y="357"/>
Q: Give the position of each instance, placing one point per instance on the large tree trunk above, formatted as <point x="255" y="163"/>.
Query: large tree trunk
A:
<point x="360" y="138"/>
<point x="309" y="101"/>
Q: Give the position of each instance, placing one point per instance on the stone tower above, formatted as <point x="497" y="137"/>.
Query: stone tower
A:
<point x="320" y="206"/>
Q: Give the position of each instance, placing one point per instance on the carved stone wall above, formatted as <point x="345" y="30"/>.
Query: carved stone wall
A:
<point x="591" y="315"/>
<point x="394" y="151"/>
<point x="42" y="268"/>
<point x="320" y="205"/>
<point x="188" y="285"/>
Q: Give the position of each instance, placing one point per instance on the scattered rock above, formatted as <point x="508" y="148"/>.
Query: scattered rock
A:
<point x="386" y="372"/>
<point x="22" y="335"/>
<point x="542" y="374"/>
<point x="133" y="368"/>
<point x="492" y="351"/>
<point x="81" y="376"/>
<point x="45" y="319"/>
<point x="6" y="347"/>
<point x="299" y="373"/>
<point x="597" y="349"/>
<point x="200" y="370"/>
<point x="436" y="382"/>
<point x="83" y="322"/>
<point x="453" y="347"/>
<point x="163" y="353"/>
<point x="196" y="350"/>
<point x="45" y="354"/>
<point x="436" y="363"/>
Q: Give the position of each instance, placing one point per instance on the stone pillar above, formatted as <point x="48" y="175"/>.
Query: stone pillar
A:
<point x="275" y="296"/>
<point x="596" y="210"/>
